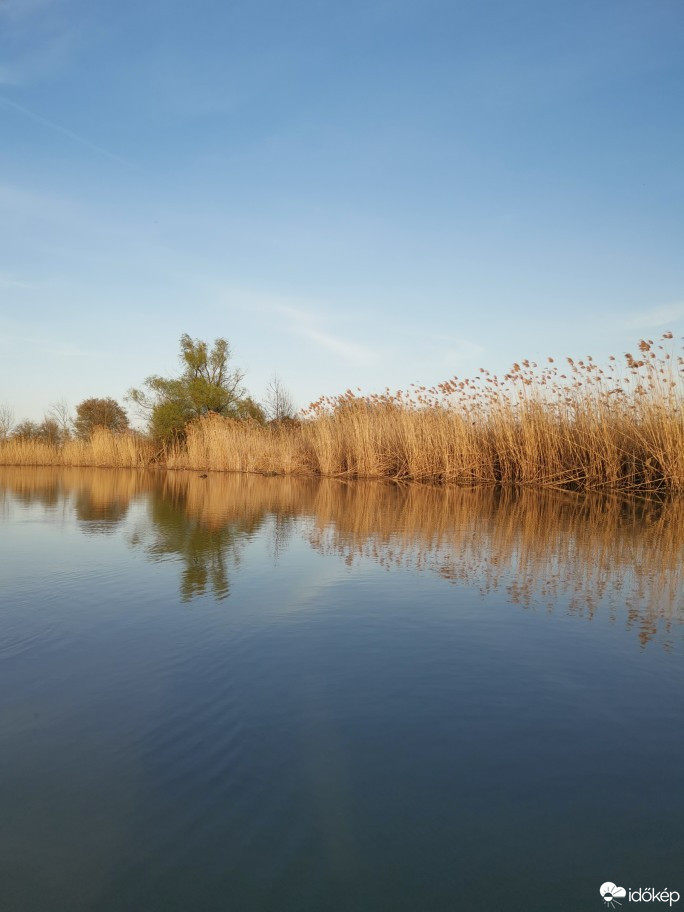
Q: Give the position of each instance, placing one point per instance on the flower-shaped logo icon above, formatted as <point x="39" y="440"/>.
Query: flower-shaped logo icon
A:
<point x="610" y="894"/>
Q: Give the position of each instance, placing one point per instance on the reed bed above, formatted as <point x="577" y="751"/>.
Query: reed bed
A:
<point x="582" y="427"/>
<point x="104" y="449"/>
<point x="618" y="427"/>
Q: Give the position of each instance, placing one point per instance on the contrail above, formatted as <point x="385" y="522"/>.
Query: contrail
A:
<point x="64" y="131"/>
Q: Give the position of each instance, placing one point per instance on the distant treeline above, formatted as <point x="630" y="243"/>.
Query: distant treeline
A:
<point x="207" y="384"/>
<point x="618" y="427"/>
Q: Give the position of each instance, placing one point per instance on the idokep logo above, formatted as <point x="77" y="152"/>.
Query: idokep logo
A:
<point x="611" y="894"/>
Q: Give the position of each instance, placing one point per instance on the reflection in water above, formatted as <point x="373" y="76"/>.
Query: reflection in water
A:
<point x="343" y="706"/>
<point x="98" y="516"/>
<point x="208" y="549"/>
<point x="541" y="549"/>
<point x="100" y="500"/>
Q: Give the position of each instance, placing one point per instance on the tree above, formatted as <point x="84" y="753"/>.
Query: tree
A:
<point x="27" y="430"/>
<point x="61" y="413"/>
<point x="94" y="412"/>
<point x="247" y="409"/>
<point x="278" y="404"/>
<point x="48" y="431"/>
<point x="206" y="384"/>
<point x="6" y="420"/>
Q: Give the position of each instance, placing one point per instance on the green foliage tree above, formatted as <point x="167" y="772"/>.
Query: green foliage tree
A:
<point x="207" y="383"/>
<point x="168" y="418"/>
<point x="247" y="408"/>
<point x="94" y="412"/>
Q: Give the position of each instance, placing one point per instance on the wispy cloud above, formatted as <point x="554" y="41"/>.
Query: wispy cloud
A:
<point x="426" y="351"/>
<point x="657" y="316"/>
<point x="58" y="128"/>
<point x="306" y="324"/>
<point x="439" y="351"/>
<point x="314" y="326"/>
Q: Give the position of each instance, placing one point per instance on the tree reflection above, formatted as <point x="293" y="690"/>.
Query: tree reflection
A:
<point x="98" y="516"/>
<point x="207" y="523"/>
<point x="207" y="552"/>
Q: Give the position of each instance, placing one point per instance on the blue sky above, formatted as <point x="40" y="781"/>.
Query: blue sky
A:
<point x="365" y="193"/>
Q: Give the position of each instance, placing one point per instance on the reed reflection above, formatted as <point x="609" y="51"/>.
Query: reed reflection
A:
<point x="580" y="554"/>
<point x="99" y="499"/>
<point x="540" y="549"/>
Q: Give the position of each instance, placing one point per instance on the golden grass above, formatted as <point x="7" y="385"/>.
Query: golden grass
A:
<point x="584" y="427"/>
<point x="104" y="449"/>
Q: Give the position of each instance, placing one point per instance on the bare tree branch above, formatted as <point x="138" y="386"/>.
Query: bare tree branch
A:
<point x="61" y="413"/>
<point x="278" y="404"/>
<point x="6" y="420"/>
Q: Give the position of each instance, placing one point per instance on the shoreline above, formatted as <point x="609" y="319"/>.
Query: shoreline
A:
<point x="659" y="492"/>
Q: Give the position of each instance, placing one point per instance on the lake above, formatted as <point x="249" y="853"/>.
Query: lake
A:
<point x="282" y="695"/>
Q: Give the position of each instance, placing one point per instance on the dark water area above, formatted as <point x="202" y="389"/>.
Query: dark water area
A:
<point x="282" y="695"/>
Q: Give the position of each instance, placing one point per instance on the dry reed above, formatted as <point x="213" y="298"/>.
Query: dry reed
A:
<point x="104" y="449"/>
<point x="583" y="427"/>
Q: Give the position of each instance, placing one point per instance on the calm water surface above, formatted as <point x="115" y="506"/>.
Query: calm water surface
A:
<point x="242" y="693"/>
